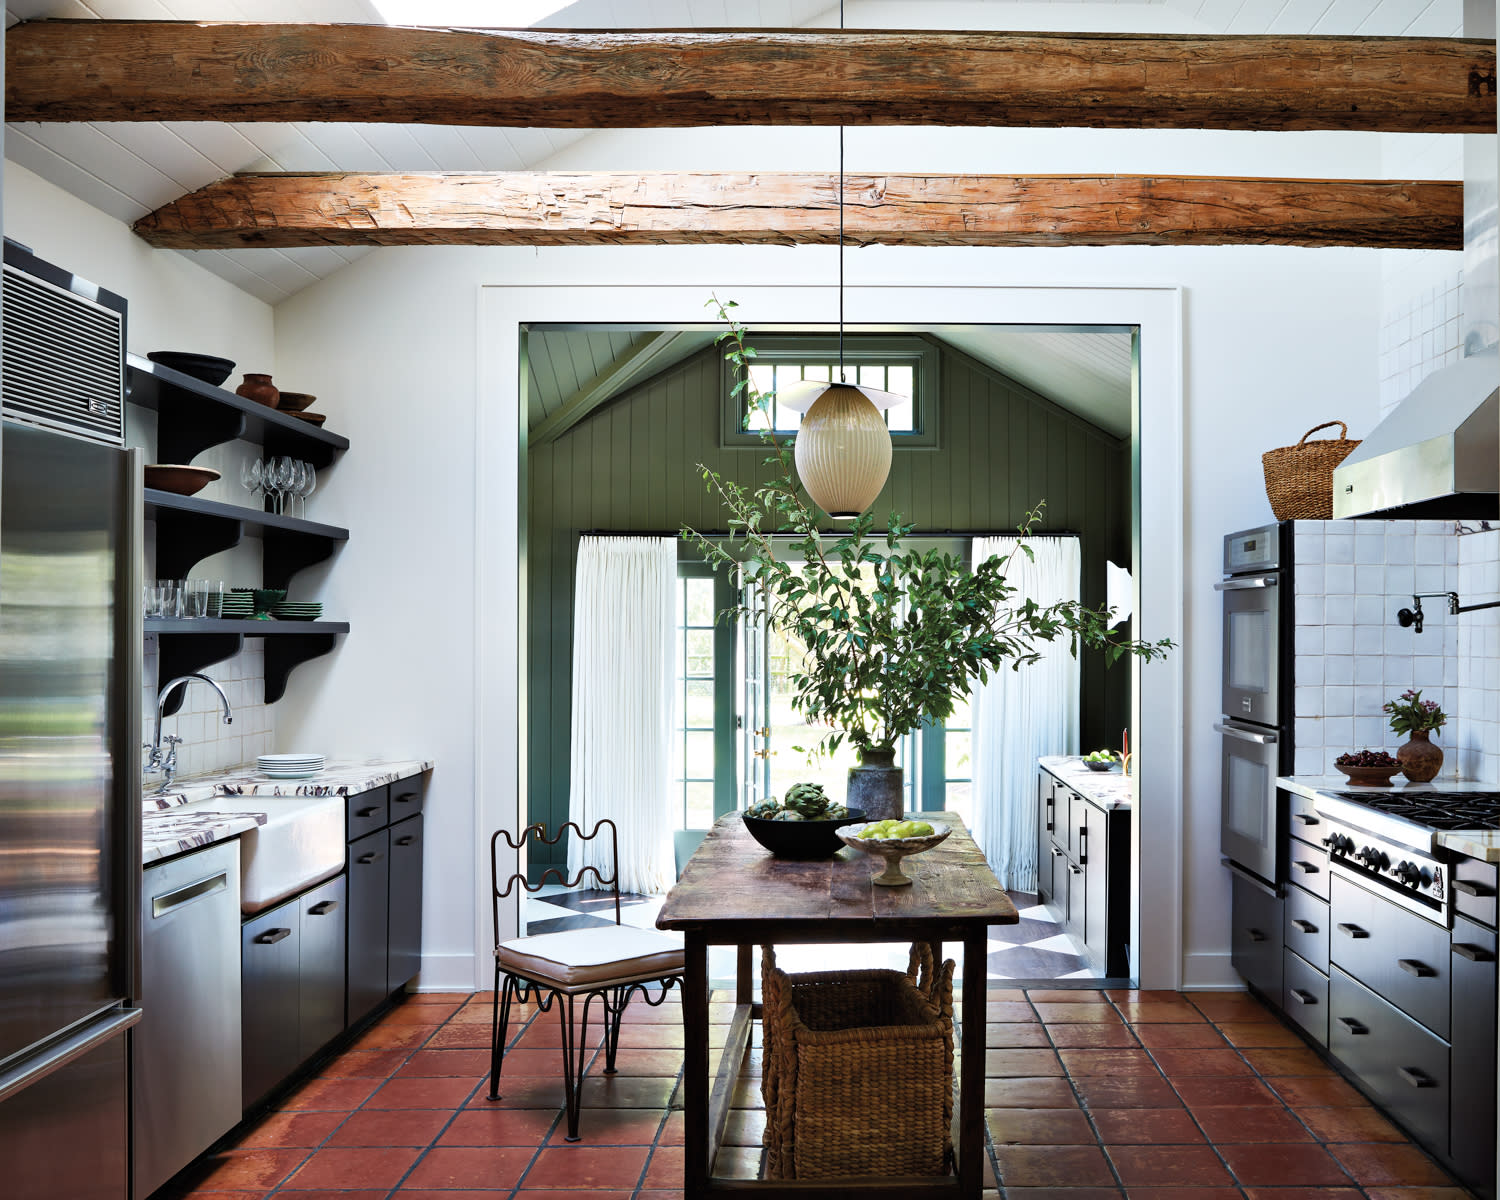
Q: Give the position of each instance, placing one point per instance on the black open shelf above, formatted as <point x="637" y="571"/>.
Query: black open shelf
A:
<point x="188" y="530"/>
<point x="193" y="415"/>
<point x="190" y="645"/>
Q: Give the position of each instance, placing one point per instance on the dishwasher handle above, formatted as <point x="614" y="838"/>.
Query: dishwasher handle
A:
<point x="272" y="936"/>
<point x="169" y="902"/>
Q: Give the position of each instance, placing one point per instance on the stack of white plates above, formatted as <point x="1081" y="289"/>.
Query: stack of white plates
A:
<point x="289" y="766"/>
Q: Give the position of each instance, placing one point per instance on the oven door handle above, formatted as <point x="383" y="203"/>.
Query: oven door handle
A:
<point x="1246" y="584"/>
<point x="1259" y="885"/>
<point x="1245" y="735"/>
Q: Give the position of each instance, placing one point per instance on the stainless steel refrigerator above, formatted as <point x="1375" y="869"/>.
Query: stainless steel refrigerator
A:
<point x="70" y="682"/>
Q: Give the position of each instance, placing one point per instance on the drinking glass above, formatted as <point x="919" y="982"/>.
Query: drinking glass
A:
<point x="169" y="593"/>
<point x="295" y="469"/>
<point x="151" y="598"/>
<point x="195" y="599"/>
<point x="213" y="598"/>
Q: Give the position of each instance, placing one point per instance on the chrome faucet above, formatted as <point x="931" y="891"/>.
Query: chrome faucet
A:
<point x="167" y="763"/>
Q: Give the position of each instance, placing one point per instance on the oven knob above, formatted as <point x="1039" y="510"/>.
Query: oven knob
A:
<point x="1373" y="858"/>
<point x="1408" y="873"/>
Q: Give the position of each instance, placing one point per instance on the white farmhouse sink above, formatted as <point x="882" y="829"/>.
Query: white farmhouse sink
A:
<point x="301" y="843"/>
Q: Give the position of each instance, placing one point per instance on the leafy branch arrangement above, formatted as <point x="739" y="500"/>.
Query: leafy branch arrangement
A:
<point x="1409" y="713"/>
<point x="895" y="636"/>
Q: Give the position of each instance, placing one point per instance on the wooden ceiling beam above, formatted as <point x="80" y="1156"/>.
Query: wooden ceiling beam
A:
<point x="204" y="71"/>
<point x="566" y="209"/>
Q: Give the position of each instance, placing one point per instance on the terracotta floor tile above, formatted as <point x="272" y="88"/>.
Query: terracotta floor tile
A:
<point x="1168" y="1166"/>
<point x="1039" y="1127"/>
<point x="1142" y="994"/>
<point x="292" y="1129"/>
<point x="1015" y="1035"/>
<point x="1089" y="1014"/>
<point x="1179" y="1063"/>
<point x="341" y="1094"/>
<point x="652" y="1194"/>
<point x="420" y="1014"/>
<point x="1052" y="1166"/>
<point x="422" y="1193"/>
<point x="1009" y="1010"/>
<point x="470" y="1167"/>
<point x="1396" y="1166"/>
<point x="1350" y="1125"/>
<point x="1207" y="1091"/>
<point x="1279" y="1165"/>
<point x="440" y="997"/>
<point x="1305" y="1193"/>
<point x="1145" y="1126"/>
<point x="390" y="1037"/>
<point x="1418" y="1193"/>
<point x="674" y="1132"/>
<point x="1163" y="1036"/>
<point x="1226" y="1126"/>
<point x="1158" y="1011"/>
<point x="612" y="1127"/>
<point x="522" y="1091"/>
<point x="1028" y="1093"/>
<point x="337" y="1194"/>
<point x="1183" y="1193"/>
<point x="1059" y="1193"/>
<point x="544" y="1034"/>
<point x="1080" y="1063"/>
<point x="423" y="1093"/>
<point x="371" y="1064"/>
<point x="1012" y="1064"/>
<point x="619" y="1091"/>
<point x="1140" y="1091"/>
<point x="655" y="1037"/>
<point x="464" y="1037"/>
<point x="1230" y="1006"/>
<point x="366" y="1166"/>
<point x="392" y="1127"/>
<point x="469" y="1064"/>
<point x="1258" y="1033"/>
<point x="665" y="1169"/>
<point x="637" y="1012"/>
<point x="1317" y="1092"/>
<point x="1005" y="994"/>
<point x="1066" y="996"/>
<point x="644" y="1062"/>
<point x="247" y="1170"/>
<point x="496" y="1126"/>
<point x="553" y="1194"/>
<point x="517" y="1062"/>
<point x="1298" y="1061"/>
<point x="1092" y="1036"/>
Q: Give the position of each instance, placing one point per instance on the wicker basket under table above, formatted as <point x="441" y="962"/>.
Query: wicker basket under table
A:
<point x="858" y="1077"/>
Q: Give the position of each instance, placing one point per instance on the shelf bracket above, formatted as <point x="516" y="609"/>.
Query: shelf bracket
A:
<point x="286" y="553"/>
<point x="184" y="539"/>
<point x="184" y="653"/>
<point x="186" y="426"/>
<point x="284" y="654"/>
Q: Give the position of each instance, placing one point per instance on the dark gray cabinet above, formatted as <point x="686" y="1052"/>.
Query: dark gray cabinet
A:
<point x="404" y="957"/>
<point x="1472" y="1124"/>
<point x="1255" y="940"/>
<point x="369" y="911"/>
<point x="1046" y="824"/>
<point x="320" y="1010"/>
<point x="1083" y="871"/>
<point x="384" y="949"/>
<point x="1392" y="951"/>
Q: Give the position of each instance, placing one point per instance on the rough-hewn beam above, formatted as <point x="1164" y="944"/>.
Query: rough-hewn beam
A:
<point x="191" y="71"/>
<point x="901" y="210"/>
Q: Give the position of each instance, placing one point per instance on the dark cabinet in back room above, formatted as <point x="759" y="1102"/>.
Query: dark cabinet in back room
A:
<point x="1083" y="871"/>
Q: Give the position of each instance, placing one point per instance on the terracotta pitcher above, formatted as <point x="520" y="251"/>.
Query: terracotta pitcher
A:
<point x="1420" y="760"/>
<point x="260" y="389"/>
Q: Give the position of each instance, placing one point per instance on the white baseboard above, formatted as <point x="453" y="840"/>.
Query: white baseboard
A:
<point x="445" y="973"/>
<point x="1210" y="972"/>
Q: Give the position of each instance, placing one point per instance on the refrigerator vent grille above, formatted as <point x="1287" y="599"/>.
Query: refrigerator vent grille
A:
<point x="64" y="360"/>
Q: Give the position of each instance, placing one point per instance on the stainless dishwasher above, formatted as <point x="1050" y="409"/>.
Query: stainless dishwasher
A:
<point x="186" y="1080"/>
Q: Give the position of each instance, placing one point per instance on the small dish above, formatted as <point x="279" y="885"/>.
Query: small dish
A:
<point x="893" y="850"/>
<point x="200" y="366"/>
<point x="1100" y="766"/>
<point x="294" y="402"/>
<point x="179" y="480"/>
<point x="310" y="417"/>
<point x="266" y="598"/>
<point x="1369" y="776"/>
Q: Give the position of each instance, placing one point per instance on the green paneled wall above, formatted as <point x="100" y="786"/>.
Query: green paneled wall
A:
<point x="631" y="466"/>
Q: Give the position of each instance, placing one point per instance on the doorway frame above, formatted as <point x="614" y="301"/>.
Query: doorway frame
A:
<point x="1157" y="484"/>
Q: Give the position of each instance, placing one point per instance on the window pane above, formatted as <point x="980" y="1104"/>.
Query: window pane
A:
<point x="899" y="380"/>
<point x="957" y="763"/>
<point x="700" y="652"/>
<point x="762" y="379"/>
<point x="817" y="371"/>
<point x="699" y="704"/>
<point x="899" y="418"/>
<point x="872" y="375"/>
<point x="962" y="716"/>
<point x="788" y="420"/>
<point x="958" y="798"/>
<point x="700" y="806"/>
<point x="700" y="756"/>
<point x="757" y="419"/>
<point x="700" y="601"/>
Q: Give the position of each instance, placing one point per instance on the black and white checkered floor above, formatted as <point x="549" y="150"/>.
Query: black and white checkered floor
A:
<point x="1035" y="949"/>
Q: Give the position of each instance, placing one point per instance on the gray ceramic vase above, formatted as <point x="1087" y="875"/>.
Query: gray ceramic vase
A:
<point x="877" y="786"/>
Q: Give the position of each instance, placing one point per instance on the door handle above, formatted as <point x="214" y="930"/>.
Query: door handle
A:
<point x="407" y="840"/>
<point x="272" y="936"/>
<point x="1050" y="821"/>
<point x="1472" y="952"/>
<point x="1246" y="735"/>
<point x="1353" y="1026"/>
<point x="323" y="907"/>
<point x="373" y="856"/>
<point x="1248" y="583"/>
<point x="1412" y="967"/>
<point x="1353" y="931"/>
<point x="1304" y="926"/>
<point x="1256" y="935"/>
<point x="1304" y="997"/>
<point x="1083" y="844"/>
<point x="367" y="812"/>
<point x="1417" y="1078"/>
<point x="1469" y="888"/>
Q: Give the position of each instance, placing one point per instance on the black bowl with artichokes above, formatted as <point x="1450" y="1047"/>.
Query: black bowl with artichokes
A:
<point x="802" y="824"/>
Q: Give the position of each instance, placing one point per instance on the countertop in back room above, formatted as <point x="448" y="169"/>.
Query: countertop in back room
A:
<point x="1108" y="789"/>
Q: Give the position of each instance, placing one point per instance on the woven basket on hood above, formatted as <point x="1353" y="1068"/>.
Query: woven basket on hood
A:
<point x="1299" y="479"/>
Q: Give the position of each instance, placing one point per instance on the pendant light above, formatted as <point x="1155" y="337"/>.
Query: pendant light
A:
<point x="843" y="448"/>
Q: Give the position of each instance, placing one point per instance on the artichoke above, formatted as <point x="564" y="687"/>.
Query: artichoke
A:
<point x="808" y="799"/>
<point x="766" y="810"/>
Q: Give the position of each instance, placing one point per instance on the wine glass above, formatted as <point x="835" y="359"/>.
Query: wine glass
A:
<point x="296" y="470"/>
<point x="251" y="476"/>
<point x="309" y="484"/>
<point x="280" y="475"/>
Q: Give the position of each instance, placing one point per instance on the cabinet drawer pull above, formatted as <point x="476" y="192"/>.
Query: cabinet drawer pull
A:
<point x="407" y="840"/>
<point x="323" y="907"/>
<point x="272" y="936"/>
<point x="171" y="901"/>
<point x="368" y="811"/>
<point x="1304" y="926"/>
<point x="1353" y="1026"/>
<point x="1307" y="868"/>
<point x="1469" y="888"/>
<point x="1049" y="821"/>
<point x="1472" y="952"/>
<point x="1353" y="931"/>
<point x="1056" y="853"/>
<point x="406" y="797"/>
<point x="1304" y="997"/>
<point x="1412" y="967"/>
<point x="1306" y="819"/>
<point x="1256" y="935"/>
<point x="1075" y="870"/>
<point x="1417" y="1078"/>
<point x="373" y="856"/>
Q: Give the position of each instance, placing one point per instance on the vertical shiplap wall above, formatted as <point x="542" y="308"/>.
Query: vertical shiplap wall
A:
<point x="632" y="466"/>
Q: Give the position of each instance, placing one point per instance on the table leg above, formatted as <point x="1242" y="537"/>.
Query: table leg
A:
<point x="695" y="1066"/>
<point x="744" y="985"/>
<point x="971" y="1069"/>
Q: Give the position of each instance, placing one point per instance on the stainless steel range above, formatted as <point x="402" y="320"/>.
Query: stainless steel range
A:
<point x="1387" y="839"/>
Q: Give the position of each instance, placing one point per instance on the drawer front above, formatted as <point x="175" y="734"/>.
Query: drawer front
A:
<point x="1401" y="1065"/>
<point x="325" y="917"/>
<point x="1255" y="944"/>
<point x="1307" y="867"/>
<point x="1473" y="1132"/>
<point x="1474" y="887"/>
<point x="368" y="812"/>
<point x="270" y="958"/>
<point x="1305" y="998"/>
<point x="1395" y="953"/>
<point x="407" y="797"/>
<point x="1307" y="822"/>
<point x="1307" y="927"/>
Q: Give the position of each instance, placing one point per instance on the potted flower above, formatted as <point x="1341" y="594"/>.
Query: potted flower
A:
<point x="894" y="636"/>
<point x="1420" y="760"/>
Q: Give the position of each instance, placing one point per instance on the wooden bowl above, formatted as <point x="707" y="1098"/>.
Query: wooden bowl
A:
<point x="292" y="402"/>
<point x="184" y="481"/>
<point x="893" y="850"/>
<point x="801" y="839"/>
<point x="310" y="418"/>
<point x="1370" y="776"/>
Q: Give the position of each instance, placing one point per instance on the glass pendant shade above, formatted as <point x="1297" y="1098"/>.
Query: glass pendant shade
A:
<point x="843" y="448"/>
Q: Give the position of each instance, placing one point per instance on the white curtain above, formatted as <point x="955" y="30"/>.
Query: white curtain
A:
<point x="1019" y="716"/>
<point x="623" y="670"/>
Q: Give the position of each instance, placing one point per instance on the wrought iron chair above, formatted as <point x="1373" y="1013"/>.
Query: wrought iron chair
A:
<point x="604" y="963"/>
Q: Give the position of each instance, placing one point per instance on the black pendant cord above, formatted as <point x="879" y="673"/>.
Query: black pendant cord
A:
<point x="842" y="378"/>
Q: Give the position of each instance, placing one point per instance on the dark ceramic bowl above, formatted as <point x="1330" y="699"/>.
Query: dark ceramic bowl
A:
<point x="1100" y="766"/>
<point x="200" y="366"/>
<point x="801" y="839"/>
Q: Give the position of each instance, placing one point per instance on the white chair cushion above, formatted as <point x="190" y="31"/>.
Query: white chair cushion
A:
<point x="589" y="957"/>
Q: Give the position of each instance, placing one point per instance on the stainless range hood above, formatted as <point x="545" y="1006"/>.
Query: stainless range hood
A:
<point x="1437" y="455"/>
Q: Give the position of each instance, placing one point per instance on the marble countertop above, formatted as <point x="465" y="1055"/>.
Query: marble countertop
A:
<point x="166" y="832"/>
<point x="1108" y="789"/>
<point x="1483" y="844"/>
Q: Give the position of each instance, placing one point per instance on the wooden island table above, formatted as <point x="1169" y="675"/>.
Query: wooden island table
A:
<point x="733" y="893"/>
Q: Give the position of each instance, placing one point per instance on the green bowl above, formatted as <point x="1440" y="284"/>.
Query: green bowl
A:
<point x="265" y="598"/>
